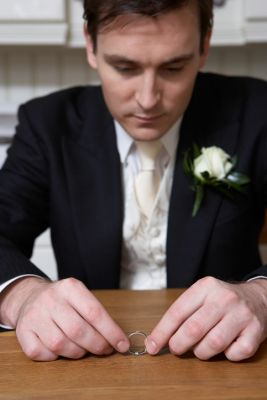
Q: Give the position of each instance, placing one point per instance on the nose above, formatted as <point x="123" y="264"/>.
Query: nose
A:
<point x="148" y="93"/>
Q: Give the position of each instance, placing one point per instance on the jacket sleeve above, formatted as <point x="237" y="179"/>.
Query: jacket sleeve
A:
<point x="24" y="200"/>
<point x="261" y="161"/>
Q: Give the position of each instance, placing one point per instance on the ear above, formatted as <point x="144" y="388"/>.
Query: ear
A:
<point x="90" y="50"/>
<point x="206" y="48"/>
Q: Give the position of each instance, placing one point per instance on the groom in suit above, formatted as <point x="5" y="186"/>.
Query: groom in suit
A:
<point x="81" y="163"/>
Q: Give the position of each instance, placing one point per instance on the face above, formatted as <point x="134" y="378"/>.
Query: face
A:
<point x="147" y="67"/>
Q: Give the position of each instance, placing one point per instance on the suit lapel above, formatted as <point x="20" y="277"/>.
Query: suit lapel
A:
<point x="187" y="236"/>
<point x="94" y="184"/>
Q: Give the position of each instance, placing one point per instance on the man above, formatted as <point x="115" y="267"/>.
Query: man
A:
<point x="73" y="166"/>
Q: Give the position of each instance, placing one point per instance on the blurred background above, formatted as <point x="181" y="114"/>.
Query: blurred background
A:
<point x="42" y="50"/>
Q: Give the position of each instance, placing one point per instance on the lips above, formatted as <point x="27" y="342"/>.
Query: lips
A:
<point x="147" y="118"/>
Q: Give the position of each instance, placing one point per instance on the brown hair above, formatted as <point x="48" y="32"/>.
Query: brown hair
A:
<point x="99" y="13"/>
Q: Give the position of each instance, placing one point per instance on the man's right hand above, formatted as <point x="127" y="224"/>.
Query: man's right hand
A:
<point x="60" y="318"/>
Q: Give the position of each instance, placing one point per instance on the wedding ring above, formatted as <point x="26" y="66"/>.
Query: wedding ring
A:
<point x="137" y="343"/>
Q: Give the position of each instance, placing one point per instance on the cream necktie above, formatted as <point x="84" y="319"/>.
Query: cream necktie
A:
<point x="147" y="181"/>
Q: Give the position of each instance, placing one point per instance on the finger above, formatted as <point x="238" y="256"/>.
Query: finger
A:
<point x="34" y="348"/>
<point x="186" y="305"/>
<point x="95" y="314"/>
<point x="195" y="328"/>
<point x="78" y="331"/>
<point x="219" y="338"/>
<point x="246" y="344"/>
<point x="55" y="340"/>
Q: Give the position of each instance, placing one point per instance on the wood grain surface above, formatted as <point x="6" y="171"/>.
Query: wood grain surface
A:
<point x="126" y="376"/>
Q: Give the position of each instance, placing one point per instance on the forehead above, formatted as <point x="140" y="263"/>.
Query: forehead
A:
<point x="167" y="32"/>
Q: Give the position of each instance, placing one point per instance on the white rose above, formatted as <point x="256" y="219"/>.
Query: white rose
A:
<point x="214" y="161"/>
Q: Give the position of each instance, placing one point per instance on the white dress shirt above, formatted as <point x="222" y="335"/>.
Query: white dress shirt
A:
<point x="143" y="260"/>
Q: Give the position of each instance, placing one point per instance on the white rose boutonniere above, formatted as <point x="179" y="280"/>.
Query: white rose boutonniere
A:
<point x="212" y="166"/>
<point x="214" y="161"/>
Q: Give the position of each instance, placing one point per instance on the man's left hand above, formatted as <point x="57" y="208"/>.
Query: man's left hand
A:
<point x="213" y="316"/>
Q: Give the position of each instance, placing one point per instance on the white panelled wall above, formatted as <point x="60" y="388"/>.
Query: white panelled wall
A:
<point x="27" y="72"/>
<point x="30" y="71"/>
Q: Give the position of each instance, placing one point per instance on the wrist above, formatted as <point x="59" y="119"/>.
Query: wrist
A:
<point x="259" y="286"/>
<point x="14" y="296"/>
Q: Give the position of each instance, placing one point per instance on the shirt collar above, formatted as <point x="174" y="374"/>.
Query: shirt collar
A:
<point x="125" y="141"/>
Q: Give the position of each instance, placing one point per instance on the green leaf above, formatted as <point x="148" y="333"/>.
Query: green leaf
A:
<point x="187" y="164"/>
<point x="238" y="178"/>
<point x="198" y="200"/>
<point x="196" y="150"/>
<point x="233" y="185"/>
<point x="234" y="162"/>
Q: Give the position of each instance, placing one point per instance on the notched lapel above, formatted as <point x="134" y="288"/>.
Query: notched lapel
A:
<point x="188" y="236"/>
<point x="94" y="185"/>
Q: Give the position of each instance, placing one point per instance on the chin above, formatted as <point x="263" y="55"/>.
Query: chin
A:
<point x="146" y="135"/>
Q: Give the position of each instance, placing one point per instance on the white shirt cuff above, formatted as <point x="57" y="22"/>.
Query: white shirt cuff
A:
<point x="257" y="277"/>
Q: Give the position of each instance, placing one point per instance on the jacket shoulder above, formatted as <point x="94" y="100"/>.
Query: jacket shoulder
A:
<point x="232" y="84"/>
<point x="61" y="113"/>
<point x="74" y="96"/>
<point x="232" y="94"/>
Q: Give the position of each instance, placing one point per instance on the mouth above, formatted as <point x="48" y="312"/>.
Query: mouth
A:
<point x="147" y="119"/>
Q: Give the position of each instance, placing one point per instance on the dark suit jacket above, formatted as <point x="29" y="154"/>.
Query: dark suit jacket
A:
<point x="63" y="171"/>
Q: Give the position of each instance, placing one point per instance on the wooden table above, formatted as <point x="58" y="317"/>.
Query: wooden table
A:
<point x="126" y="376"/>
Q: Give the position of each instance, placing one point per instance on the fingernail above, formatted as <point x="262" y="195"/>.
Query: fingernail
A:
<point x="151" y="346"/>
<point x="123" y="346"/>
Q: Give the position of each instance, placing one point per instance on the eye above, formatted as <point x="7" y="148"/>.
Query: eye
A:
<point x="125" y="69"/>
<point x="174" y="69"/>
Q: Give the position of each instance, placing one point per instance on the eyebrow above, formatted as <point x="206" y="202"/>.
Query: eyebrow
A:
<point x="114" y="58"/>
